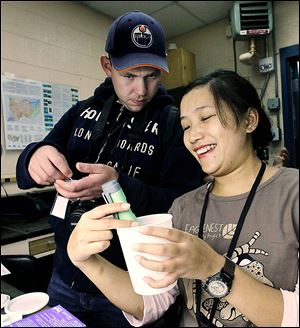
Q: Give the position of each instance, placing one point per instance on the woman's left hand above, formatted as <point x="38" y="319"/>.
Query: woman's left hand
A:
<point x="92" y="234"/>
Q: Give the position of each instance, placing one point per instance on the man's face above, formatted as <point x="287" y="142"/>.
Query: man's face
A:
<point x="135" y="88"/>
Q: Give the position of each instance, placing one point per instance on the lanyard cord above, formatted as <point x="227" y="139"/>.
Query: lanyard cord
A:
<point x="233" y="241"/>
<point x="109" y="135"/>
<point x="134" y="135"/>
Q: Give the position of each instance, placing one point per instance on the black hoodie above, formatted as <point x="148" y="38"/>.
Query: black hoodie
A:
<point x="151" y="177"/>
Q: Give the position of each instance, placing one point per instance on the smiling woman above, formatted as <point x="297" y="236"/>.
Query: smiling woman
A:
<point x="229" y="264"/>
<point x="215" y="109"/>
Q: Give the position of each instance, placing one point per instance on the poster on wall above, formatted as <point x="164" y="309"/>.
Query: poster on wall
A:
<point x="32" y="108"/>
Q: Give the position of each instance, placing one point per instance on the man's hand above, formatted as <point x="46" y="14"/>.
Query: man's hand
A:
<point x="282" y="158"/>
<point x="88" y="187"/>
<point x="47" y="164"/>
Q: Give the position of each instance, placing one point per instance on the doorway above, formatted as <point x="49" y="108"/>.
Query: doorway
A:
<point x="289" y="60"/>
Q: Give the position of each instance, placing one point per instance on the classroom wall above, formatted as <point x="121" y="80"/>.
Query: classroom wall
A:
<point x="55" y="41"/>
<point x="61" y="42"/>
<point x="214" y="49"/>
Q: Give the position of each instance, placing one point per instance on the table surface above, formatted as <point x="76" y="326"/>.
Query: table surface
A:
<point x="13" y="292"/>
<point x="10" y="290"/>
<point x="17" y="227"/>
<point x="11" y="233"/>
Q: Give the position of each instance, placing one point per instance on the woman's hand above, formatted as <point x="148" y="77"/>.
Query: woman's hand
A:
<point x="92" y="233"/>
<point x="189" y="256"/>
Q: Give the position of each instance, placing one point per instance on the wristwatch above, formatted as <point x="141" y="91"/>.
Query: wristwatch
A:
<point x="219" y="285"/>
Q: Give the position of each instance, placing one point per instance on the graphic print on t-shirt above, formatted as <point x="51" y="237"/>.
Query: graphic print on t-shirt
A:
<point x="242" y="257"/>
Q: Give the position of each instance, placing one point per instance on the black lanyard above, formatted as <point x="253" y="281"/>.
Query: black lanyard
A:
<point x="231" y="247"/>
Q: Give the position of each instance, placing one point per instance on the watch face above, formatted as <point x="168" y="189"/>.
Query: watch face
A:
<point x="217" y="288"/>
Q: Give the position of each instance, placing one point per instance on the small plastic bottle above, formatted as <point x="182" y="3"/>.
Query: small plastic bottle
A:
<point x="113" y="193"/>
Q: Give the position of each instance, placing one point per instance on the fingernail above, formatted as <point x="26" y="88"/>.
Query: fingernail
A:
<point x="125" y="205"/>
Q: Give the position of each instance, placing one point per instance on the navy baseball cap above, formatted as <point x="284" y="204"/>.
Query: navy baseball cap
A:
<point x="136" y="39"/>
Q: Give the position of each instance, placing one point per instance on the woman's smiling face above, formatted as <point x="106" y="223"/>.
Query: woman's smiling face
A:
<point x="219" y="149"/>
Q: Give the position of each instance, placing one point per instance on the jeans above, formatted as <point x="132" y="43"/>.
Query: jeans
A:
<point x="92" y="310"/>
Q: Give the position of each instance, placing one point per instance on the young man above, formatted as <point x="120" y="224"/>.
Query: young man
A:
<point x="123" y="132"/>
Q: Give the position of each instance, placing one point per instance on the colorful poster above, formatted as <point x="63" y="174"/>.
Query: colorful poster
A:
<point x="31" y="109"/>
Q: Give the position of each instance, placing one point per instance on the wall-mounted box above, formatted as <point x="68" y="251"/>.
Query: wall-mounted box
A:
<point x="266" y="65"/>
<point x="182" y="68"/>
<point x="276" y="134"/>
<point x="273" y="104"/>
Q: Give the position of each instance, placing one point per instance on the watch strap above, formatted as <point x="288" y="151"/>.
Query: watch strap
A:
<point x="228" y="268"/>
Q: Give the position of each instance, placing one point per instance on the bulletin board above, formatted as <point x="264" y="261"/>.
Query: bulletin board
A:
<point x="32" y="108"/>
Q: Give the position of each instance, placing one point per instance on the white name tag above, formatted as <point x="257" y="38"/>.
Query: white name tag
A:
<point x="59" y="207"/>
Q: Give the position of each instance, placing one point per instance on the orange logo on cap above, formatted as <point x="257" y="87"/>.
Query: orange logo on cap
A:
<point x="142" y="28"/>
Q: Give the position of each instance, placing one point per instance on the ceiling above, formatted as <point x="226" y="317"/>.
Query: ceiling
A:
<point x="176" y="17"/>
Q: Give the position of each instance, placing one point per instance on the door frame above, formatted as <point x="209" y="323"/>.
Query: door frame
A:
<point x="287" y="55"/>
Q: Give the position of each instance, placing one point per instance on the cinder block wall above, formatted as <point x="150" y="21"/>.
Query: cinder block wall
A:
<point x="61" y="42"/>
<point x="213" y="49"/>
<point x="54" y="41"/>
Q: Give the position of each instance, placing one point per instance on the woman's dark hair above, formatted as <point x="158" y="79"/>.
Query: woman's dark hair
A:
<point x="239" y="94"/>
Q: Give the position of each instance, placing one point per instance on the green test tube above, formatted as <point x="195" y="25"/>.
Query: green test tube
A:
<point x="114" y="194"/>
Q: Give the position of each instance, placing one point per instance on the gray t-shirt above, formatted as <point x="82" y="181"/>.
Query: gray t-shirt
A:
<point x="267" y="246"/>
